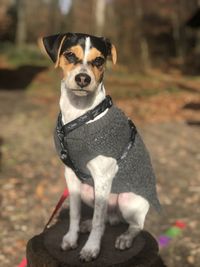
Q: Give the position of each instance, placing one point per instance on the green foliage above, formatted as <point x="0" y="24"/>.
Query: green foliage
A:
<point x="26" y="55"/>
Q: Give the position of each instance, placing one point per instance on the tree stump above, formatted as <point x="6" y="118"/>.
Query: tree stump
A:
<point x="44" y="250"/>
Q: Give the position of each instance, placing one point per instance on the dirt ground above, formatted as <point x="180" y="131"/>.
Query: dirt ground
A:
<point x="31" y="176"/>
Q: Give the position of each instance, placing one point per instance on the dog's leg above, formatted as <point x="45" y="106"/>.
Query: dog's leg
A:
<point x="103" y="170"/>
<point x="70" y="239"/>
<point x="113" y="215"/>
<point x="133" y="209"/>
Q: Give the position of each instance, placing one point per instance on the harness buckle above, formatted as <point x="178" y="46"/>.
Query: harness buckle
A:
<point x="63" y="155"/>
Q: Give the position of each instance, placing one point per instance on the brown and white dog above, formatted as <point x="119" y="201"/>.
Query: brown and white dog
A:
<point x="82" y="58"/>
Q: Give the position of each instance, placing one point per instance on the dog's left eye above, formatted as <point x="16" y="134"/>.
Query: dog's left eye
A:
<point x="98" y="61"/>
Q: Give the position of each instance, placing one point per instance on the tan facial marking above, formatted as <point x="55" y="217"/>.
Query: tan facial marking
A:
<point x="93" y="53"/>
<point x="98" y="72"/>
<point x="78" y="51"/>
<point x="65" y="65"/>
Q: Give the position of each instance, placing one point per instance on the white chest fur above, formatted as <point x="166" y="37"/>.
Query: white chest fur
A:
<point x="73" y="107"/>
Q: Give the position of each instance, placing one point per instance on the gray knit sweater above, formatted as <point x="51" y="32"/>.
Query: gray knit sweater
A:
<point x="108" y="136"/>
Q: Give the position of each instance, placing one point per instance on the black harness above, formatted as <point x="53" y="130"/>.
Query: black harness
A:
<point x="61" y="131"/>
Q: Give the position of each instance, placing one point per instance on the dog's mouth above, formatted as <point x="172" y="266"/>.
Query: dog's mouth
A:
<point x="80" y="92"/>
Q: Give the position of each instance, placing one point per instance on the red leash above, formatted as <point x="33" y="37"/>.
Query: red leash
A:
<point x="23" y="263"/>
<point x="65" y="194"/>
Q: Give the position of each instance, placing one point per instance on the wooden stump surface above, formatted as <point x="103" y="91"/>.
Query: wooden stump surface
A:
<point x="44" y="250"/>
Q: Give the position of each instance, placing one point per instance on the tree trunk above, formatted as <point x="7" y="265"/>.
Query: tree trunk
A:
<point x="197" y="46"/>
<point x="100" y="9"/>
<point x="20" y="38"/>
<point x="44" y="249"/>
<point x="143" y="44"/>
<point x="54" y="17"/>
<point x="178" y="30"/>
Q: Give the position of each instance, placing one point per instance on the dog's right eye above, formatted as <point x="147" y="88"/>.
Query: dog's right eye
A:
<point x="70" y="56"/>
<point x="98" y="62"/>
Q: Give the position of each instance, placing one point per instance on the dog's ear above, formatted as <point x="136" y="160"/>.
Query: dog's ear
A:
<point x="111" y="50"/>
<point x="113" y="54"/>
<point x="52" y="46"/>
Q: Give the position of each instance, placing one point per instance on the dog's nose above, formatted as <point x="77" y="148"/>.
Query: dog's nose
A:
<point x="82" y="79"/>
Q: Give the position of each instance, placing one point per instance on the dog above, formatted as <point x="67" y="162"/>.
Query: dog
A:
<point x="106" y="163"/>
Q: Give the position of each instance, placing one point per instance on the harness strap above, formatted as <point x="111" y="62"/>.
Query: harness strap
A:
<point x="90" y="115"/>
<point x="130" y="143"/>
<point x="63" y="151"/>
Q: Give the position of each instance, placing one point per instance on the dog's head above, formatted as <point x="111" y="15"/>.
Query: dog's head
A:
<point x="82" y="58"/>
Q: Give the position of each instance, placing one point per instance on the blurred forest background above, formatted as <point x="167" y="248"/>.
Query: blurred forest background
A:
<point x="147" y="33"/>
<point x="156" y="82"/>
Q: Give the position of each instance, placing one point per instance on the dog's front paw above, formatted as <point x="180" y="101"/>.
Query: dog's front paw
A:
<point x="89" y="253"/>
<point x="69" y="241"/>
<point x="124" y="241"/>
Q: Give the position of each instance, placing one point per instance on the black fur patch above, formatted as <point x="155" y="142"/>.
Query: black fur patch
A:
<point x="52" y="43"/>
